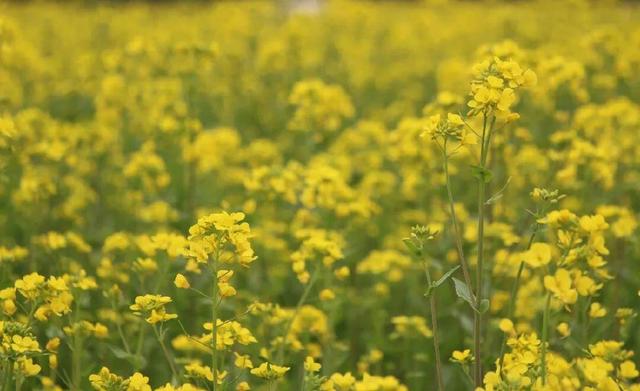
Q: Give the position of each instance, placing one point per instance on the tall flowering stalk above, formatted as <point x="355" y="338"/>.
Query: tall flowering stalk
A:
<point x="216" y="240"/>
<point x="492" y="96"/>
<point x="416" y="245"/>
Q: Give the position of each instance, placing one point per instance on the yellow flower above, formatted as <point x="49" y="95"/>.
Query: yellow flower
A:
<point x="563" y="329"/>
<point x="27" y="367"/>
<point x="159" y="316"/>
<point x="461" y="356"/>
<point x="593" y="223"/>
<point x="153" y="305"/>
<point x="100" y="330"/>
<point x="628" y="370"/>
<point x="30" y="285"/>
<point x="243" y="386"/>
<point x="342" y="273"/>
<point x="21" y="344"/>
<point x="242" y="361"/>
<point x="596" y="310"/>
<point x="138" y="382"/>
<point x="310" y="365"/>
<point x="9" y="307"/>
<point x="53" y="344"/>
<point x="538" y="255"/>
<point x="560" y="286"/>
<point x="495" y="82"/>
<point x="586" y="286"/>
<point x="455" y="119"/>
<point x="269" y="371"/>
<point x="327" y="295"/>
<point x="104" y="378"/>
<point x="195" y="369"/>
<point x="342" y="382"/>
<point x="149" y="302"/>
<point x="181" y="282"/>
<point x="506" y="326"/>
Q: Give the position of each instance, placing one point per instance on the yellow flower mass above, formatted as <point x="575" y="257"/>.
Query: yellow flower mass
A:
<point x="311" y="195"/>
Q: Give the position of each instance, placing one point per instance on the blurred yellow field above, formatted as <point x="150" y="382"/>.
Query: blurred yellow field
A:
<point x="319" y="196"/>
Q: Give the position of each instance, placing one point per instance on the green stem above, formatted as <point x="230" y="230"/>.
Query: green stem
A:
<point x="77" y="361"/>
<point x="454" y="220"/>
<point x="165" y="352"/>
<point x="77" y="351"/>
<point x="434" y="326"/>
<point x="119" y="328"/>
<point x="477" y="316"/>
<point x="214" y="326"/>
<point x="141" y="335"/>
<point x="545" y="337"/>
<point x="301" y="302"/>
<point x="514" y="293"/>
<point x="7" y="375"/>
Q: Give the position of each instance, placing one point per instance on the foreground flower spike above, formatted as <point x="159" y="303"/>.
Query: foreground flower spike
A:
<point x="218" y="242"/>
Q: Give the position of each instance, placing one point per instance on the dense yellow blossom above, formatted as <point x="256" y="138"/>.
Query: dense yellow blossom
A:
<point x="319" y="195"/>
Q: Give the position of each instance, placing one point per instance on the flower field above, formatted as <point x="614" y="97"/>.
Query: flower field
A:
<point x="320" y="196"/>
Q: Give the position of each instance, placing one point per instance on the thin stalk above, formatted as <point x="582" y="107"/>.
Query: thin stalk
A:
<point x="516" y="283"/>
<point x="301" y="301"/>
<point x="167" y="356"/>
<point x="454" y="220"/>
<point x="7" y="375"/>
<point x="482" y="189"/>
<point x="514" y="293"/>
<point x="477" y="317"/>
<point x="141" y="335"/>
<point x="477" y="330"/>
<point x="142" y="331"/>
<point x="125" y="344"/>
<point x="434" y="327"/>
<point x="77" y="361"/>
<point x="545" y="337"/>
<point x="76" y="358"/>
<point x="214" y="325"/>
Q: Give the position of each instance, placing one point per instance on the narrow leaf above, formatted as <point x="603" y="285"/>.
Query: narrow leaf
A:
<point x="445" y="276"/>
<point x="463" y="292"/>
<point x="498" y="194"/>
<point x="411" y="246"/>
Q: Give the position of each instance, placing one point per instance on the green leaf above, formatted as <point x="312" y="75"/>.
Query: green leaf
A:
<point x="498" y="194"/>
<point x="463" y="292"/>
<point x="411" y="246"/>
<point x="429" y="292"/>
<point x="444" y="277"/>
<point x="484" y="306"/>
<point x="482" y="173"/>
